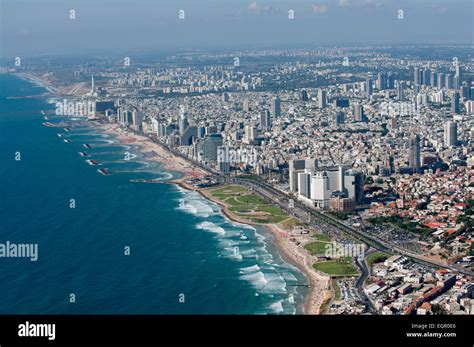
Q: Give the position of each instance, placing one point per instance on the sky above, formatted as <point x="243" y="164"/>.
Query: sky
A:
<point x="44" y="27"/>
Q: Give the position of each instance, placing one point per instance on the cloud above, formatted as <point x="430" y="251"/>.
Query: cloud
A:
<point x="440" y="9"/>
<point x="320" y="9"/>
<point x="254" y="7"/>
<point x="344" y="3"/>
<point x="372" y="3"/>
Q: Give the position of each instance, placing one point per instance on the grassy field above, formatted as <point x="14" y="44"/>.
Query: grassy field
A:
<point x="340" y="267"/>
<point x="317" y="247"/>
<point x="376" y="257"/>
<point x="249" y="205"/>
<point x="322" y="237"/>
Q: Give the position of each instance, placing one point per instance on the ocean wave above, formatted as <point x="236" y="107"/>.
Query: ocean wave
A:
<point x="194" y="204"/>
<point x="209" y="226"/>
<point x="275" y="284"/>
<point x="277" y="306"/>
<point x="250" y="269"/>
<point x="256" y="279"/>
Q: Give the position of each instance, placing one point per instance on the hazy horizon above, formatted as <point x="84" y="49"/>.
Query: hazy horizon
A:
<point x="31" y="28"/>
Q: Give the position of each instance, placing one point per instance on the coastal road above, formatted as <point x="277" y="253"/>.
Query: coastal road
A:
<point x="302" y="212"/>
<point x="282" y="199"/>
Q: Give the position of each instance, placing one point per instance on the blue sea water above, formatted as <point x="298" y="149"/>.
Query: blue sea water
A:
<point x="181" y="246"/>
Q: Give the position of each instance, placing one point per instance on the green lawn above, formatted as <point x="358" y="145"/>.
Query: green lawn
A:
<point x="317" y="247"/>
<point x="322" y="237"/>
<point x="242" y="202"/>
<point x="340" y="267"/>
<point x="376" y="257"/>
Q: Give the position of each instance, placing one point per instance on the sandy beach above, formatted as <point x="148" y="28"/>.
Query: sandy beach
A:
<point x="290" y="243"/>
<point x="155" y="151"/>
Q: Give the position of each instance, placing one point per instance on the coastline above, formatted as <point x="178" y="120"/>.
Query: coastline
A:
<point x="289" y="251"/>
<point x="318" y="284"/>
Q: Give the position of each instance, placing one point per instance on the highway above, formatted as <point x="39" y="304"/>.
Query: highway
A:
<point x="302" y="212"/>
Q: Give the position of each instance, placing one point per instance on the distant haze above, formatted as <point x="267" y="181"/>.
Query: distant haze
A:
<point x="43" y="27"/>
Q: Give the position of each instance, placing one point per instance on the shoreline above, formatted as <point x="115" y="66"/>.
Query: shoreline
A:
<point x="318" y="288"/>
<point x="296" y="255"/>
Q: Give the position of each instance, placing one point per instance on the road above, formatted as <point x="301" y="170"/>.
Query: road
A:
<point x="301" y="211"/>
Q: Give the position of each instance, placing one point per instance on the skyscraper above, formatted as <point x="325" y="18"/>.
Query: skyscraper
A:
<point x="381" y="80"/>
<point x="209" y="147"/>
<point x="368" y="89"/>
<point x="458" y="77"/>
<point x="451" y="134"/>
<point x="245" y="105"/>
<point x="455" y="102"/>
<point x="250" y="133"/>
<point x="426" y="77"/>
<point x="265" y="119"/>
<point x="414" y="153"/>
<point x="321" y="98"/>
<point x="400" y="91"/>
<point x="276" y="107"/>
<point x="223" y="159"/>
<point x="359" y="115"/>
<point x="339" y="117"/>
<point x="183" y="122"/>
<point x="416" y="75"/>
<point x="441" y="80"/>
<point x="304" y="95"/>
<point x="433" y="79"/>
<point x="448" y="81"/>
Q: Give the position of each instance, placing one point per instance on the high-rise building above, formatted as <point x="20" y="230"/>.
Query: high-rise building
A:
<point x="250" y="133"/>
<point x="245" y="105"/>
<point x="339" y="117"/>
<point x="458" y="77"/>
<point x="321" y="98"/>
<point x="414" y="153"/>
<point x="265" y="119"/>
<point x="441" y="80"/>
<point x="426" y="77"/>
<point x="276" y="107"/>
<point x="381" y="81"/>
<point x="433" y="79"/>
<point x="209" y="145"/>
<point x="137" y="119"/>
<point x="455" y="102"/>
<point x="304" y="183"/>
<point x="359" y="115"/>
<point x="223" y="159"/>
<point x="368" y="89"/>
<point x="451" y="134"/>
<point x="416" y="75"/>
<point x="295" y="166"/>
<point x="401" y="91"/>
<point x="320" y="191"/>
<point x="448" y="81"/>
<point x="304" y="95"/>
<point x="183" y="122"/>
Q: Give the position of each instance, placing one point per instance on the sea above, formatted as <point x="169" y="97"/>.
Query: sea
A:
<point x="111" y="245"/>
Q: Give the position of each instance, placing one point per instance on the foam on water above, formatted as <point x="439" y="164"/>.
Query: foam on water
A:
<point x="209" y="226"/>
